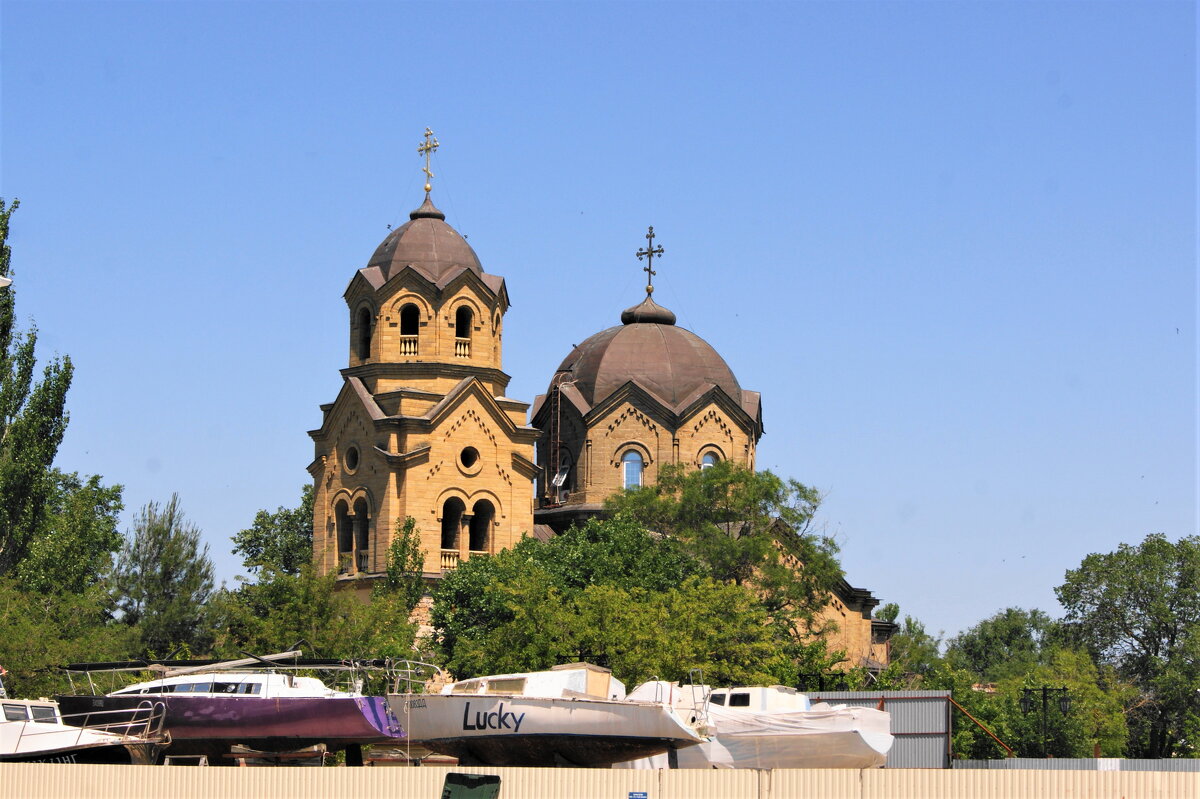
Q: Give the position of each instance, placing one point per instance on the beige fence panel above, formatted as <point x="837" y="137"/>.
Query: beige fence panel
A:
<point x="56" y="780"/>
<point x="826" y="783"/>
<point x="1031" y="784"/>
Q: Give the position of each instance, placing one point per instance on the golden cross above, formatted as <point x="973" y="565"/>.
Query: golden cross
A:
<point x="648" y="253"/>
<point x="426" y="149"/>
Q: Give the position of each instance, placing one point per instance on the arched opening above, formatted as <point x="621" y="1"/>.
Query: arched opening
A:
<point x="561" y="481"/>
<point x="363" y="325"/>
<point x="345" y="531"/>
<point x="481" y="525"/>
<point x="410" y="326"/>
<point x="632" y="466"/>
<point x="462" y="332"/>
<point x="709" y="460"/>
<point x="362" y="535"/>
<point x="452" y="512"/>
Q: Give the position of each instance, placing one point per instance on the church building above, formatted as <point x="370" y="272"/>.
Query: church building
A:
<point x="421" y="426"/>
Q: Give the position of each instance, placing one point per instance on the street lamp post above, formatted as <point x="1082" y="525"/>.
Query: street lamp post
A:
<point x="1064" y="704"/>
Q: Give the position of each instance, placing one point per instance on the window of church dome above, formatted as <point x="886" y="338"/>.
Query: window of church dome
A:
<point x="469" y="457"/>
<point x="410" y="327"/>
<point x="564" y="470"/>
<point x="632" y="466"/>
<point x="462" y="332"/>
<point x="364" y="333"/>
<point x="351" y="459"/>
<point x="709" y="459"/>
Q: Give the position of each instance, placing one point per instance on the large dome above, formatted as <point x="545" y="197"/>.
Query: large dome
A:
<point x="669" y="361"/>
<point x="428" y="244"/>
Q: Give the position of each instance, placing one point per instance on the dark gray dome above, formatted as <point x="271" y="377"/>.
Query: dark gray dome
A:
<point x="426" y="243"/>
<point x="669" y="361"/>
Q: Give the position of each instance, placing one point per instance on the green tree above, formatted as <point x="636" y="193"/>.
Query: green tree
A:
<point x="42" y="631"/>
<point x="33" y="419"/>
<point x="610" y="593"/>
<point x="406" y="564"/>
<point x="1093" y="722"/>
<point x="1138" y="609"/>
<point x="471" y="601"/>
<point x="74" y="551"/>
<point x="747" y="528"/>
<point x="913" y="650"/>
<point x="1010" y="643"/>
<point x="280" y="610"/>
<point x="280" y="541"/>
<point x="162" y="580"/>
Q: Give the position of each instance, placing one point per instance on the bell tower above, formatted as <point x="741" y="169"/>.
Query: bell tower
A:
<point x="421" y="426"/>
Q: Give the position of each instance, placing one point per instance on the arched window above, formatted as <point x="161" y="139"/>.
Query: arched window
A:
<point x="562" y="478"/>
<point x="345" y="532"/>
<point x="632" y="466"/>
<point x="462" y="332"/>
<point x="410" y="326"/>
<point x="344" y="523"/>
<point x="363" y="345"/>
<point x="362" y="535"/>
<point x="452" y="512"/>
<point x="709" y="459"/>
<point x="481" y="524"/>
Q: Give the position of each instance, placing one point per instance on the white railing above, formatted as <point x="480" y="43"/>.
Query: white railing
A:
<point x="462" y="347"/>
<point x="408" y="345"/>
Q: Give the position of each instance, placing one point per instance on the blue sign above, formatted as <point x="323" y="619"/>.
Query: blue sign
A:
<point x="637" y="795"/>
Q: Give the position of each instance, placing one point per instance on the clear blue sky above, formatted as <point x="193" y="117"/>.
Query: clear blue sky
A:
<point x="952" y="244"/>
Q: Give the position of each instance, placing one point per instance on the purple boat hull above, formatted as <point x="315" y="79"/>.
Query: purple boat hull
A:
<point x="212" y="724"/>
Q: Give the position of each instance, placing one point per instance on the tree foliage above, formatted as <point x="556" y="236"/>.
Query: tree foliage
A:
<point x="42" y="631"/>
<point x="279" y="541"/>
<point x="747" y="528"/>
<point x="280" y="610"/>
<point x="1009" y="643"/>
<point x="74" y="551"/>
<point x="1138" y="609"/>
<point x="33" y="419"/>
<point x="610" y="593"/>
<point x="406" y="563"/>
<point x="162" y="580"/>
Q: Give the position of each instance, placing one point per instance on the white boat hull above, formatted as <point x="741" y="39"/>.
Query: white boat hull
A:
<point x="831" y="737"/>
<point x="514" y="730"/>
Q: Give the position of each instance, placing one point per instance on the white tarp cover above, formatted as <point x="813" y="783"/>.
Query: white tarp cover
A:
<point x="824" y="737"/>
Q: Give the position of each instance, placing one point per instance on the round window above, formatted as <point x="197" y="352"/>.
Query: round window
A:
<point x="351" y="459"/>
<point x="469" y="457"/>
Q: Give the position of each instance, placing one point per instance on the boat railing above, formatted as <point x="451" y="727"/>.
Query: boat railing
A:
<point x="144" y="721"/>
<point x="142" y="724"/>
<point x="699" y="693"/>
<point x="411" y="676"/>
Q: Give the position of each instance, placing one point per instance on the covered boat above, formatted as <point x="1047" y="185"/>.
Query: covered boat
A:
<point x="777" y="727"/>
<point x="213" y="707"/>
<point x="570" y="715"/>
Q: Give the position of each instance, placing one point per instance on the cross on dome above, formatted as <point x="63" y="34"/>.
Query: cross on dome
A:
<point x="648" y="253"/>
<point x="427" y="149"/>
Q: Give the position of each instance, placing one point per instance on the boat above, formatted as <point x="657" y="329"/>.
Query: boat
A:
<point x="576" y="714"/>
<point x="770" y="727"/>
<point x="33" y="731"/>
<point x="213" y="707"/>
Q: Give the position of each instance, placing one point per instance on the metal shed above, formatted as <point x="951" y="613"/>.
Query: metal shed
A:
<point x="920" y="723"/>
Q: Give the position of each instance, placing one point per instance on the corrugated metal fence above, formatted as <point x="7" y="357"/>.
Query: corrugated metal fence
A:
<point x="920" y="723"/>
<point x="54" y="781"/>
<point x="1083" y="764"/>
